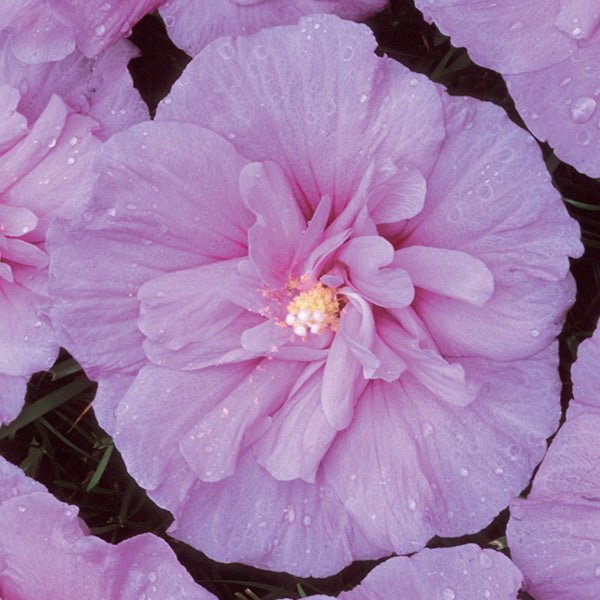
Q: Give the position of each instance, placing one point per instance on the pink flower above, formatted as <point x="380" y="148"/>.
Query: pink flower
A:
<point x="49" y="30"/>
<point x="192" y="24"/>
<point x="554" y="535"/>
<point x="45" y="168"/>
<point x="99" y="87"/>
<point x="320" y="298"/>
<point x="549" y="55"/>
<point x="47" y="552"/>
<point x="464" y="572"/>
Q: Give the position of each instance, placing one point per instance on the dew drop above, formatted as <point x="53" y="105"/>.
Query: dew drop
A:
<point x="261" y="52"/>
<point x="464" y="472"/>
<point x="448" y="594"/>
<point x="597" y="571"/>
<point x="348" y="53"/>
<point x="21" y="508"/>
<point x="105" y="6"/>
<point x="51" y="142"/>
<point x="427" y="429"/>
<point x="290" y="514"/>
<point x="498" y="470"/>
<point x="226" y="51"/>
<point x="577" y="33"/>
<point x="487" y="593"/>
<point x="100" y="30"/>
<point x="516" y="26"/>
<point x="306" y="521"/>
<point x="566" y="81"/>
<point x="152" y="576"/>
<point x="122" y="408"/>
<point x="534" y="333"/>
<point x="73" y="141"/>
<point x="583" y="109"/>
<point x="71" y="160"/>
<point x="363" y="98"/>
<point x="111" y="212"/>
<point x="486" y="560"/>
<point x="412" y="505"/>
<point x="167" y="100"/>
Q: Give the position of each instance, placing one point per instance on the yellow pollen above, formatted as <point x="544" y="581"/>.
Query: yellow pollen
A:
<point x="312" y="311"/>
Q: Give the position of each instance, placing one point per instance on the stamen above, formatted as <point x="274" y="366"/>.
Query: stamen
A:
<point x="313" y="310"/>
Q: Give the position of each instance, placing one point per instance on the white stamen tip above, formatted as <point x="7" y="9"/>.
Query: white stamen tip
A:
<point x="315" y="328"/>
<point x="290" y="319"/>
<point x="318" y="316"/>
<point x="303" y="315"/>
<point x="300" y="330"/>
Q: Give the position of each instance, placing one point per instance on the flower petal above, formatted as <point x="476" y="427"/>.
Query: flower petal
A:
<point x="309" y="135"/>
<point x="273" y="239"/>
<point x="449" y="273"/>
<point x="367" y="258"/>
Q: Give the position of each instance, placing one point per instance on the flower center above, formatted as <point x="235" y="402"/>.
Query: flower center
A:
<point x="313" y="310"/>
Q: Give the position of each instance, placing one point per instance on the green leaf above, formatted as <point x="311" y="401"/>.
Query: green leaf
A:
<point x="44" y="405"/>
<point x="65" y="368"/>
<point x="101" y="468"/>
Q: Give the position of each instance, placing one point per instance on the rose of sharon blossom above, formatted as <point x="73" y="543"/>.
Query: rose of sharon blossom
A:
<point x="554" y="535"/>
<point x="192" y="24"/>
<point x="49" y="30"/>
<point x="45" y="168"/>
<point x="99" y="87"/>
<point x="320" y="298"/>
<point x="47" y="552"/>
<point x="548" y="53"/>
<point x="462" y="573"/>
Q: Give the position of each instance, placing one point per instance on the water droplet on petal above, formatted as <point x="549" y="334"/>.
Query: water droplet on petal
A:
<point x="348" y="53"/>
<point x="486" y="560"/>
<point x="412" y="505"/>
<point x="583" y="109"/>
<point x="516" y="26"/>
<point x="152" y="576"/>
<point x="100" y="30"/>
<point x="464" y="472"/>
<point x="51" y="142"/>
<point x="226" y="51"/>
<point x="448" y="594"/>
<point x="306" y="521"/>
<point x="566" y="81"/>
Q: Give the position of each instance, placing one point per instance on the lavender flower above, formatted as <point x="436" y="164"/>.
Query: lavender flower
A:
<point x="554" y="535"/>
<point x="192" y="24"/>
<point x="320" y="298"/>
<point x="49" y="30"/>
<point x="45" y="168"/>
<point x="548" y="53"/>
<point x="47" y="552"/>
<point x="464" y="572"/>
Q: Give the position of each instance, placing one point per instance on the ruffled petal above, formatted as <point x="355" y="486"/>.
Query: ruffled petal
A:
<point x="274" y="238"/>
<point x="411" y="466"/>
<point x="278" y="525"/>
<point x="194" y="23"/>
<point x="449" y="273"/>
<point x="465" y="572"/>
<point x="243" y="82"/>
<point x="368" y="259"/>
